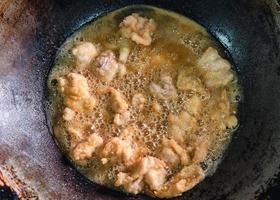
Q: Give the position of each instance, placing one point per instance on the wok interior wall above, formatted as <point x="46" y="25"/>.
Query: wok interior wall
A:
<point x="31" y="32"/>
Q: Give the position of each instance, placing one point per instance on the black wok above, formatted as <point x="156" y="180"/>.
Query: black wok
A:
<point x="31" y="31"/>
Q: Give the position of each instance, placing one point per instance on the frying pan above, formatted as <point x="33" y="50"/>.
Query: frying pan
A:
<point x="31" y="31"/>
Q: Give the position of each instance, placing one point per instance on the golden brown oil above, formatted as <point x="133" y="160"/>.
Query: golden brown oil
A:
<point x="181" y="42"/>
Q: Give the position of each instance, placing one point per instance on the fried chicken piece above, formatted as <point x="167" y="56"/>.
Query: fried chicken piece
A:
<point x="164" y="89"/>
<point x="178" y="150"/>
<point x="149" y="170"/>
<point x="201" y="147"/>
<point x="107" y="65"/>
<point x="179" y="126"/>
<point x="122" y="119"/>
<point x="138" y="29"/>
<point x="75" y="91"/>
<point x="187" y="82"/>
<point x="85" y="53"/>
<point x="183" y="181"/>
<point x="129" y="184"/>
<point x="124" y="53"/>
<point x="120" y="150"/>
<point x="117" y="100"/>
<point x="86" y="148"/>
<point x="194" y="105"/>
<point x="156" y="107"/>
<point x="138" y="101"/>
<point x="216" y="70"/>
<point x="68" y="114"/>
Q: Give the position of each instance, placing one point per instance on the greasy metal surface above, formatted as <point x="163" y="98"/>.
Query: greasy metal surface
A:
<point x="30" y="33"/>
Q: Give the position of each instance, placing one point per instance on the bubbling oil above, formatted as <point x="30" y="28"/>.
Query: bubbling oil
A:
<point x="181" y="41"/>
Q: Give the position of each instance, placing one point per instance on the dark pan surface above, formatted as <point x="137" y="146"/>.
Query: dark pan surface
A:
<point x="31" y="32"/>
